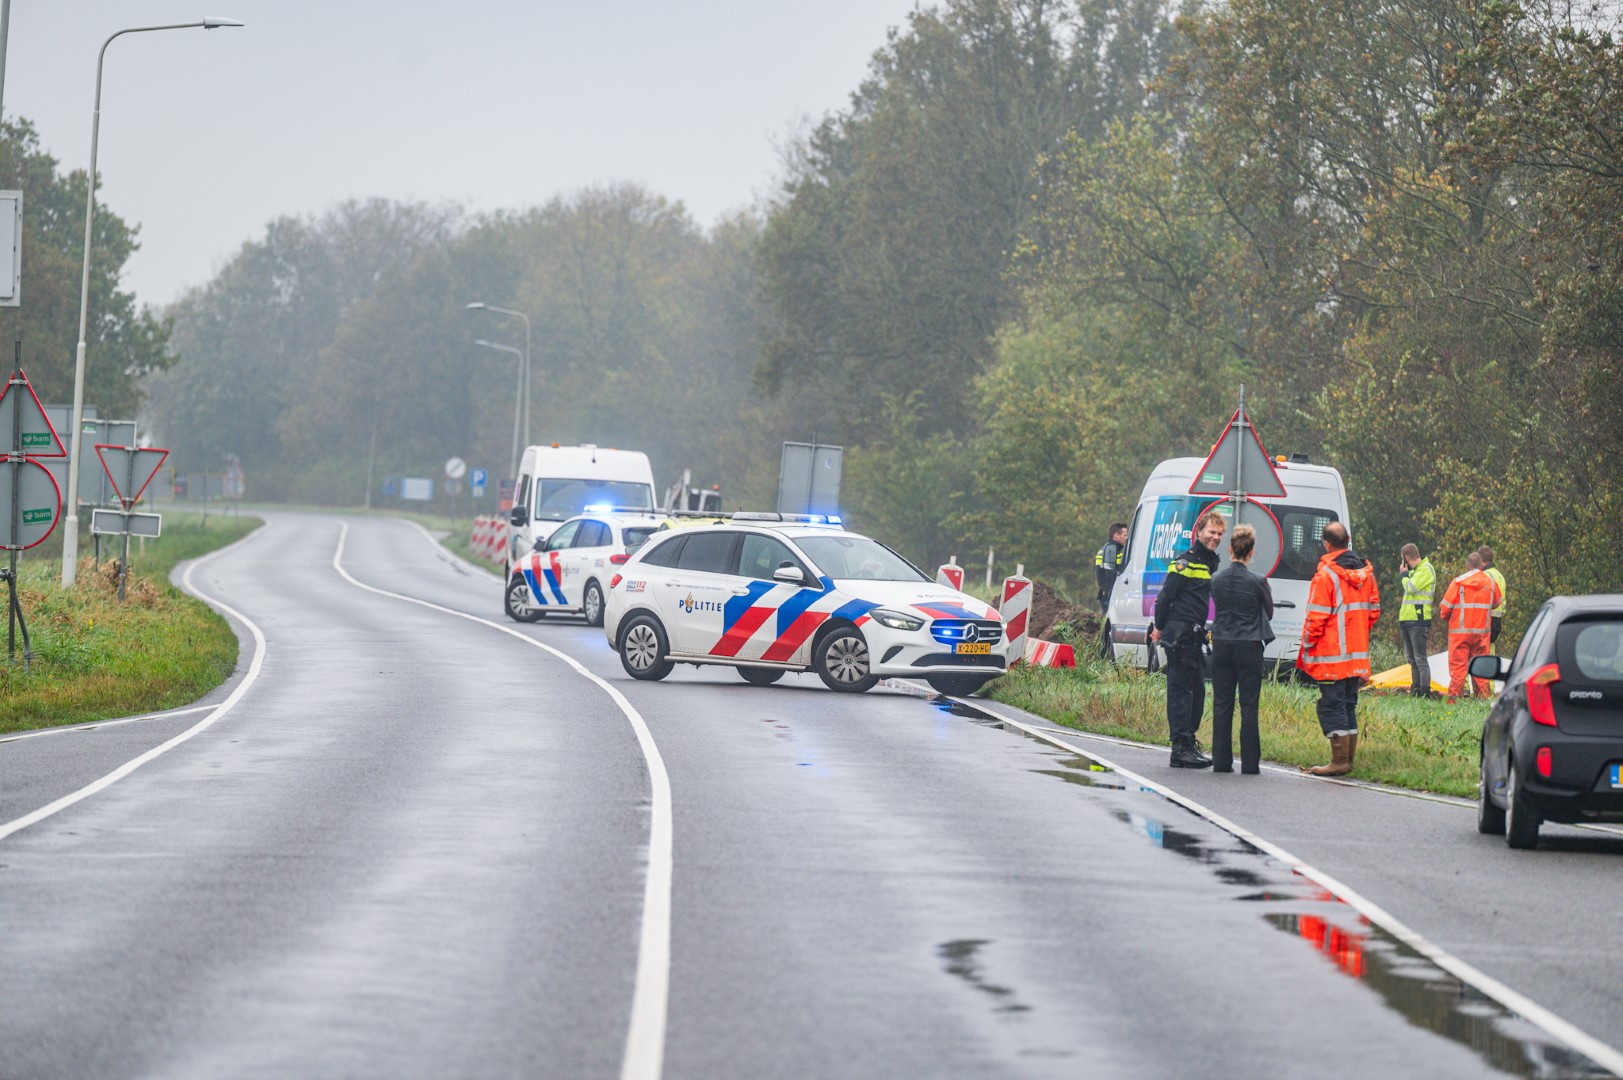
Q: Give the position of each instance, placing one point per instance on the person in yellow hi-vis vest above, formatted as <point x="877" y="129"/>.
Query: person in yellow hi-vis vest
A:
<point x="1496" y="617"/>
<point x="1414" y="616"/>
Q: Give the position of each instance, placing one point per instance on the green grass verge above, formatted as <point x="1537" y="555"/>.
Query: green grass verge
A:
<point x="1408" y="742"/>
<point x="96" y="658"/>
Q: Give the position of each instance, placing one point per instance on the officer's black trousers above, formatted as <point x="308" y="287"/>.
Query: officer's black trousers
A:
<point x="1186" y="692"/>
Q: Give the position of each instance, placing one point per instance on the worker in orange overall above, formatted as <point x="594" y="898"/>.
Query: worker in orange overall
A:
<point x="1466" y="611"/>
<point x="1342" y="604"/>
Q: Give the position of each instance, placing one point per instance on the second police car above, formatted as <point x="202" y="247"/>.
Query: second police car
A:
<point x="568" y="572"/>
<point x="766" y="596"/>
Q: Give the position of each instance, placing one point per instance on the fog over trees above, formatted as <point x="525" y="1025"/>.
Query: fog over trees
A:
<point x="1038" y="252"/>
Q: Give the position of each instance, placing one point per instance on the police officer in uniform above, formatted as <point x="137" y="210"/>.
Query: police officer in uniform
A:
<point x="1106" y="568"/>
<point x="1107" y="564"/>
<point x="1180" y="627"/>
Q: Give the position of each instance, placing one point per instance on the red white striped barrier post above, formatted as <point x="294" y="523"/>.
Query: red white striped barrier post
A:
<point x="1054" y="654"/>
<point x="499" y="531"/>
<point x="1015" y="607"/>
<point x="950" y="574"/>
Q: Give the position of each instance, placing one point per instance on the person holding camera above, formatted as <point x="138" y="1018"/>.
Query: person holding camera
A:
<point x="1181" y="608"/>
<point x="1241" y="629"/>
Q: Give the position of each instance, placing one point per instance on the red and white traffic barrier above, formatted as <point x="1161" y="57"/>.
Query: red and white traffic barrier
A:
<point x="1015" y="607"/>
<point x="950" y="574"/>
<point x="479" y="539"/>
<point x="497" y="552"/>
<point x="1049" y="654"/>
<point x="489" y="539"/>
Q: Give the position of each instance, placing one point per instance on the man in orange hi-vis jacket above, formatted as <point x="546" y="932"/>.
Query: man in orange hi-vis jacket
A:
<point x="1342" y="604"/>
<point x="1466" y="610"/>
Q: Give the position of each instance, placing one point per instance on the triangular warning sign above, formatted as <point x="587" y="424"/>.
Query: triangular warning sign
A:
<point x="23" y="424"/>
<point x="1238" y="463"/>
<point x="130" y="470"/>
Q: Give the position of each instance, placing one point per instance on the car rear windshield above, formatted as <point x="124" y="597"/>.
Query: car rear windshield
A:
<point x="857" y="557"/>
<point x="1597" y="651"/>
<point x="635" y="538"/>
<point x="558" y="500"/>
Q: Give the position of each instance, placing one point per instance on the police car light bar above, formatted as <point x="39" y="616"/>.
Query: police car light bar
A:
<point x="773" y="515"/>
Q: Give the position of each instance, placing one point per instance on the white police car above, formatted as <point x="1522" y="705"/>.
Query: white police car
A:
<point x="766" y="596"/>
<point x="569" y="571"/>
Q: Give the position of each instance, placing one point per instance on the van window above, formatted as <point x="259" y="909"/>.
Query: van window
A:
<point x="709" y="553"/>
<point x="1302" y="526"/>
<point x="523" y="498"/>
<point x="560" y="499"/>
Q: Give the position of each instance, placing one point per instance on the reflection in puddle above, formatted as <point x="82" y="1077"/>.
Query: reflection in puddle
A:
<point x="959" y="958"/>
<point x="1424" y="994"/>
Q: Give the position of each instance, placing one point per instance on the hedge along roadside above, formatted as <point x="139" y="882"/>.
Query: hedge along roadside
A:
<point x="1404" y="741"/>
<point x="97" y="659"/>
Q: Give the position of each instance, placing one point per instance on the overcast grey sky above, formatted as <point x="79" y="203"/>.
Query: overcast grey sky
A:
<point x="206" y="136"/>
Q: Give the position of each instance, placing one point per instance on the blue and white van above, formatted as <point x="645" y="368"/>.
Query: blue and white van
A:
<point x="1159" y="533"/>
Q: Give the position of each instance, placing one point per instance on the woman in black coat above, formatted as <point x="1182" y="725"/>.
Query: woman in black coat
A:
<point x="1244" y="606"/>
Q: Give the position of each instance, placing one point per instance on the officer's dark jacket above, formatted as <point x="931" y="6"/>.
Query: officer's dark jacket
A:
<point x="1106" y="565"/>
<point x="1244" y="605"/>
<point x="1186" y="596"/>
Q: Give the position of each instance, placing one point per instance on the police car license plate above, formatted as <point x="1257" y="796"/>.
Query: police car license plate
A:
<point x="976" y="648"/>
<point x="1617" y="776"/>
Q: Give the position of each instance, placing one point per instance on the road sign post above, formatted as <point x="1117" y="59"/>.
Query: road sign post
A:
<point x="29" y="498"/>
<point x="131" y="469"/>
<point x="1240" y="471"/>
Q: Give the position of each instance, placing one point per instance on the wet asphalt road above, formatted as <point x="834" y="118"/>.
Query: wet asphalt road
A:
<point x="417" y="846"/>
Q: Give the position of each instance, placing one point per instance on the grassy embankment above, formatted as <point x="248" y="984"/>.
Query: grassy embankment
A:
<point x="95" y="657"/>
<point x="1412" y="743"/>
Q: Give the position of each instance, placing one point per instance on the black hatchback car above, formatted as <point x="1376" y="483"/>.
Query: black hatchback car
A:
<point x="1552" y="745"/>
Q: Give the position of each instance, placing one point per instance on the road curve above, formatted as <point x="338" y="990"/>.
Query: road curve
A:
<point x="419" y="847"/>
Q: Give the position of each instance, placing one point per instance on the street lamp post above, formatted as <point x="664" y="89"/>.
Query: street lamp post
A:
<point x="518" y="406"/>
<point x="524" y="391"/>
<point x="70" y="538"/>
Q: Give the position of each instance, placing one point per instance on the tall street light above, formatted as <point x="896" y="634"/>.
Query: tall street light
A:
<point x="70" y="538"/>
<point x="524" y="391"/>
<point x="518" y="405"/>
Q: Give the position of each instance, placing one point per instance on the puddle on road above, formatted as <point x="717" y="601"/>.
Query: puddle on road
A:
<point x="960" y="958"/>
<point x="1408" y="983"/>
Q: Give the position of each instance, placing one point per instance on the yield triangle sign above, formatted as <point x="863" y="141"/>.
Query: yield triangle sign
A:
<point x="23" y="424"/>
<point x="1238" y="459"/>
<point x="130" y="469"/>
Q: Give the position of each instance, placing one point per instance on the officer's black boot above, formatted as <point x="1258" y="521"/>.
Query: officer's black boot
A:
<point x="1186" y="755"/>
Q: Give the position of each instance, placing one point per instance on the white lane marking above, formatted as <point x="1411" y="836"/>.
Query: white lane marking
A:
<point x="216" y="712"/>
<point x="1363" y="785"/>
<point x="97" y="725"/>
<point x="1601" y="1053"/>
<point x="645" y="1038"/>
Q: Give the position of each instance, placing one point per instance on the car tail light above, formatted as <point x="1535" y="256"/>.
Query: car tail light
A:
<point x="615" y="580"/>
<point x="1539" y="701"/>
<point x="1544" y="762"/>
<point x="619" y="560"/>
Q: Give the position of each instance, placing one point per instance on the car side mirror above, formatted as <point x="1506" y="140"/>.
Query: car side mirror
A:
<point x="789" y="575"/>
<point x="519" y="516"/>
<point x="539" y="545"/>
<point x="1490" y="667"/>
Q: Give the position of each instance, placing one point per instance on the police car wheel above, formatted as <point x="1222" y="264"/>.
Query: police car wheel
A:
<point x="642" y="646"/>
<point x="518" y="605"/>
<point x="842" y="661"/>
<point x="1490" y="817"/>
<point x="957" y="685"/>
<point x="592" y="604"/>
<point x="761" y="676"/>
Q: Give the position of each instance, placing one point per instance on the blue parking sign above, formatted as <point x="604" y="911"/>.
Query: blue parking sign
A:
<point x="476" y="481"/>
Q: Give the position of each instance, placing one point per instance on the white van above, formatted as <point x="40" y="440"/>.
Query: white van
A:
<point x="1314" y="497"/>
<point x="556" y="483"/>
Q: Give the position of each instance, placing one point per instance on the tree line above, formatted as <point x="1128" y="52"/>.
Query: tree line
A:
<point x="1037" y="252"/>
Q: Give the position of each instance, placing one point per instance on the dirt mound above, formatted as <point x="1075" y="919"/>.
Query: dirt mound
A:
<point x="1048" y="610"/>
